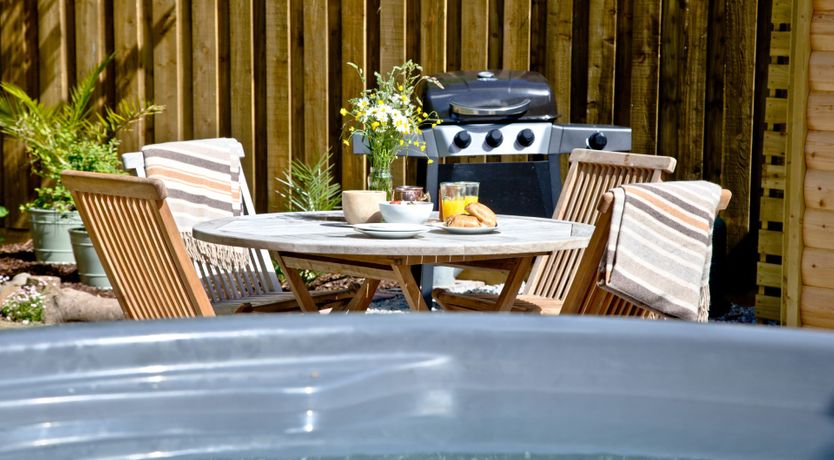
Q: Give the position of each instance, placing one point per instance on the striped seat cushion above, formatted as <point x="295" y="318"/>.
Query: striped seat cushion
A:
<point x="660" y="246"/>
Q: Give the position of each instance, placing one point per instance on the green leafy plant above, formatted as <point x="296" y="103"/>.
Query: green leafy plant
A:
<point x="310" y="188"/>
<point x="25" y="305"/>
<point x="69" y="135"/>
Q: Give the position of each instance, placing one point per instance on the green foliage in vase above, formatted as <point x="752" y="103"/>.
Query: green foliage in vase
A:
<point x="310" y="188"/>
<point x="69" y="135"/>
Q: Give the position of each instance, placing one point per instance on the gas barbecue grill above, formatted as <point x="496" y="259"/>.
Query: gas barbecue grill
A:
<point x="504" y="112"/>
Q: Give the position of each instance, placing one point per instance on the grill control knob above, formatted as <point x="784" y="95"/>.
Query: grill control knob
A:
<point x="494" y="138"/>
<point x="462" y="139"/>
<point x="597" y="141"/>
<point x="526" y="137"/>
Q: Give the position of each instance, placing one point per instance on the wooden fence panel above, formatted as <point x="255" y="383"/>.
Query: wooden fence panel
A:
<point x="273" y="73"/>
<point x="18" y="65"/>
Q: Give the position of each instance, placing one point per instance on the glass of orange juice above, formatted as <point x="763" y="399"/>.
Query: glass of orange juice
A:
<point x="452" y="199"/>
<point x="470" y="192"/>
<point x="454" y="196"/>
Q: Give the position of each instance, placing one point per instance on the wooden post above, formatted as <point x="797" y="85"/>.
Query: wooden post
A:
<point x="793" y="244"/>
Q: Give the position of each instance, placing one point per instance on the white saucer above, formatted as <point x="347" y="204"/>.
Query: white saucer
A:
<point x="391" y="231"/>
<point x="467" y="230"/>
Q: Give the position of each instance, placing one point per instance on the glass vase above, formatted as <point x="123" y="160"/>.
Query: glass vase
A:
<point x="380" y="178"/>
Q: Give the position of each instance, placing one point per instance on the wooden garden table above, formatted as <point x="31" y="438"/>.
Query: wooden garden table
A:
<point x="323" y="241"/>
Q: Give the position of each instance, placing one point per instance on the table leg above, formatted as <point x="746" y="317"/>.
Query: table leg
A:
<point x="363" y="296"/>
<point x="516" y="276"/>
<point x="411" y="290"/>
<point x="299" y="289"/>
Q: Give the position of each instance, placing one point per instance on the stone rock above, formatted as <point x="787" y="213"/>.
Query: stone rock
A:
<point x="7" y="290"/>
<point x="45" y="281"/>
<point x="70" y="305"/>
<point x="20" y="279"/>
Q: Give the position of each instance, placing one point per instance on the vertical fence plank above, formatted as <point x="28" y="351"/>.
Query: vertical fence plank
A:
<point x="354" y="49"/>
<point x="392" y="40"/>
<point x="241" y="83"/>
<point x="454" y="31"/>
<point x="433" y="36"/>
<point x="278" y="98"/>
<point x="52" y="45"/>
<point x="210" y="74"/>
<point x="738" y="114"/>
<point x="496" y="34"/>
<point x="91" y="44"/>
<point x="132" y="61"/>
<point x="516" y="34"/>
<point x="644" y="82"/>
<point x="602" y="39"/>
<point x="622" y="68"/>
<point x="18" y="65"/>
<point x="315" y="80"/>
<point x="682" y="87"/>
<point x="714" y="124"/>
<point x="474" y="43"/>
<point x="170" y="87"/>
<point x="474" y="34"/>
<point x="516" y="45"/>
<point x="557" y="67"/>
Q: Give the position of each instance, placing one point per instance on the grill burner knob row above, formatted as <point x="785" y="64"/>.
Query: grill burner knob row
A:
<point x="494" y="138"/>
<point x="597" y="141"/>
<point x="526" y="137"/>
<point x="462" y="139"/>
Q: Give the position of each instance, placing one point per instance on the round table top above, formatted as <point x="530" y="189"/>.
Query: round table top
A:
<point x="328" y="233"/>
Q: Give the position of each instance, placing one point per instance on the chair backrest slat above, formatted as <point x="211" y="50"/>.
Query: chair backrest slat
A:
<point x="591" y="174"/>
<point x="140" y="249"/>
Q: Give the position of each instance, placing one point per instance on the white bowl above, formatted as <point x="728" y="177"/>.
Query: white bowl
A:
<point x="407" y="212"/>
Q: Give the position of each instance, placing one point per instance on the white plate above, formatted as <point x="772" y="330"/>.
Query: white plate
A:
<point x="390" y="231"/>
<point x="467" y="230"/>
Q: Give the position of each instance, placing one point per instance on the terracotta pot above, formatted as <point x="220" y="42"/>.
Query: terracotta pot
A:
<point x="362" y="206"/>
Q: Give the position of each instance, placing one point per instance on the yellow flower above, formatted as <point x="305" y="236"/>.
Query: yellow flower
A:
<point x="375" y="125"/>
<point x="400" y="87"/>
<point x="423" y="148"/>
<point x="430" y="161"/>
<point x="425" y="115"/>
<point x="351" y="129"/>
<point x="402" y="142"/>
<point x="345" y="141"/>
<point x="343" y="111"/>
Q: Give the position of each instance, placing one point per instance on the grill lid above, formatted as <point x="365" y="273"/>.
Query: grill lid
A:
<point x="490" y="96"/>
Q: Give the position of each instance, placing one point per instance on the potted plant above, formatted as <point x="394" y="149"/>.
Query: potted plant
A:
<point x="67" y="136"/>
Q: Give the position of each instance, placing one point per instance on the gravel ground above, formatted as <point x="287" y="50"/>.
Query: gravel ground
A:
<point x="388" y="301"/>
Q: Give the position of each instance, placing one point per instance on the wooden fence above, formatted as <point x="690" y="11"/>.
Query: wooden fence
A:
<point x="272" y="73"/>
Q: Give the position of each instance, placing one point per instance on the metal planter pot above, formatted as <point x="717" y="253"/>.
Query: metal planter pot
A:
<point x="50" y="234"/>
<point x="89" y="266"/>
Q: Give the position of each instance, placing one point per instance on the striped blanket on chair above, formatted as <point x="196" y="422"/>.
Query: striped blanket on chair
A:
<point x="660" y="246"/>
<point x="203" y="182"/>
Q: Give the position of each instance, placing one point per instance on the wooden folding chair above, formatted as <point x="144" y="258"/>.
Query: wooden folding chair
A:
<point x="592" y="173"/>
<point x="585" y="296"/>
<point x="255" y="288"/>
<point x="140" y="248"/>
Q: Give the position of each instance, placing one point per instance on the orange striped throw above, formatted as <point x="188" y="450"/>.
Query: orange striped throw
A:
<point x="660" y="246"/>
<point x="203" y="182"/>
